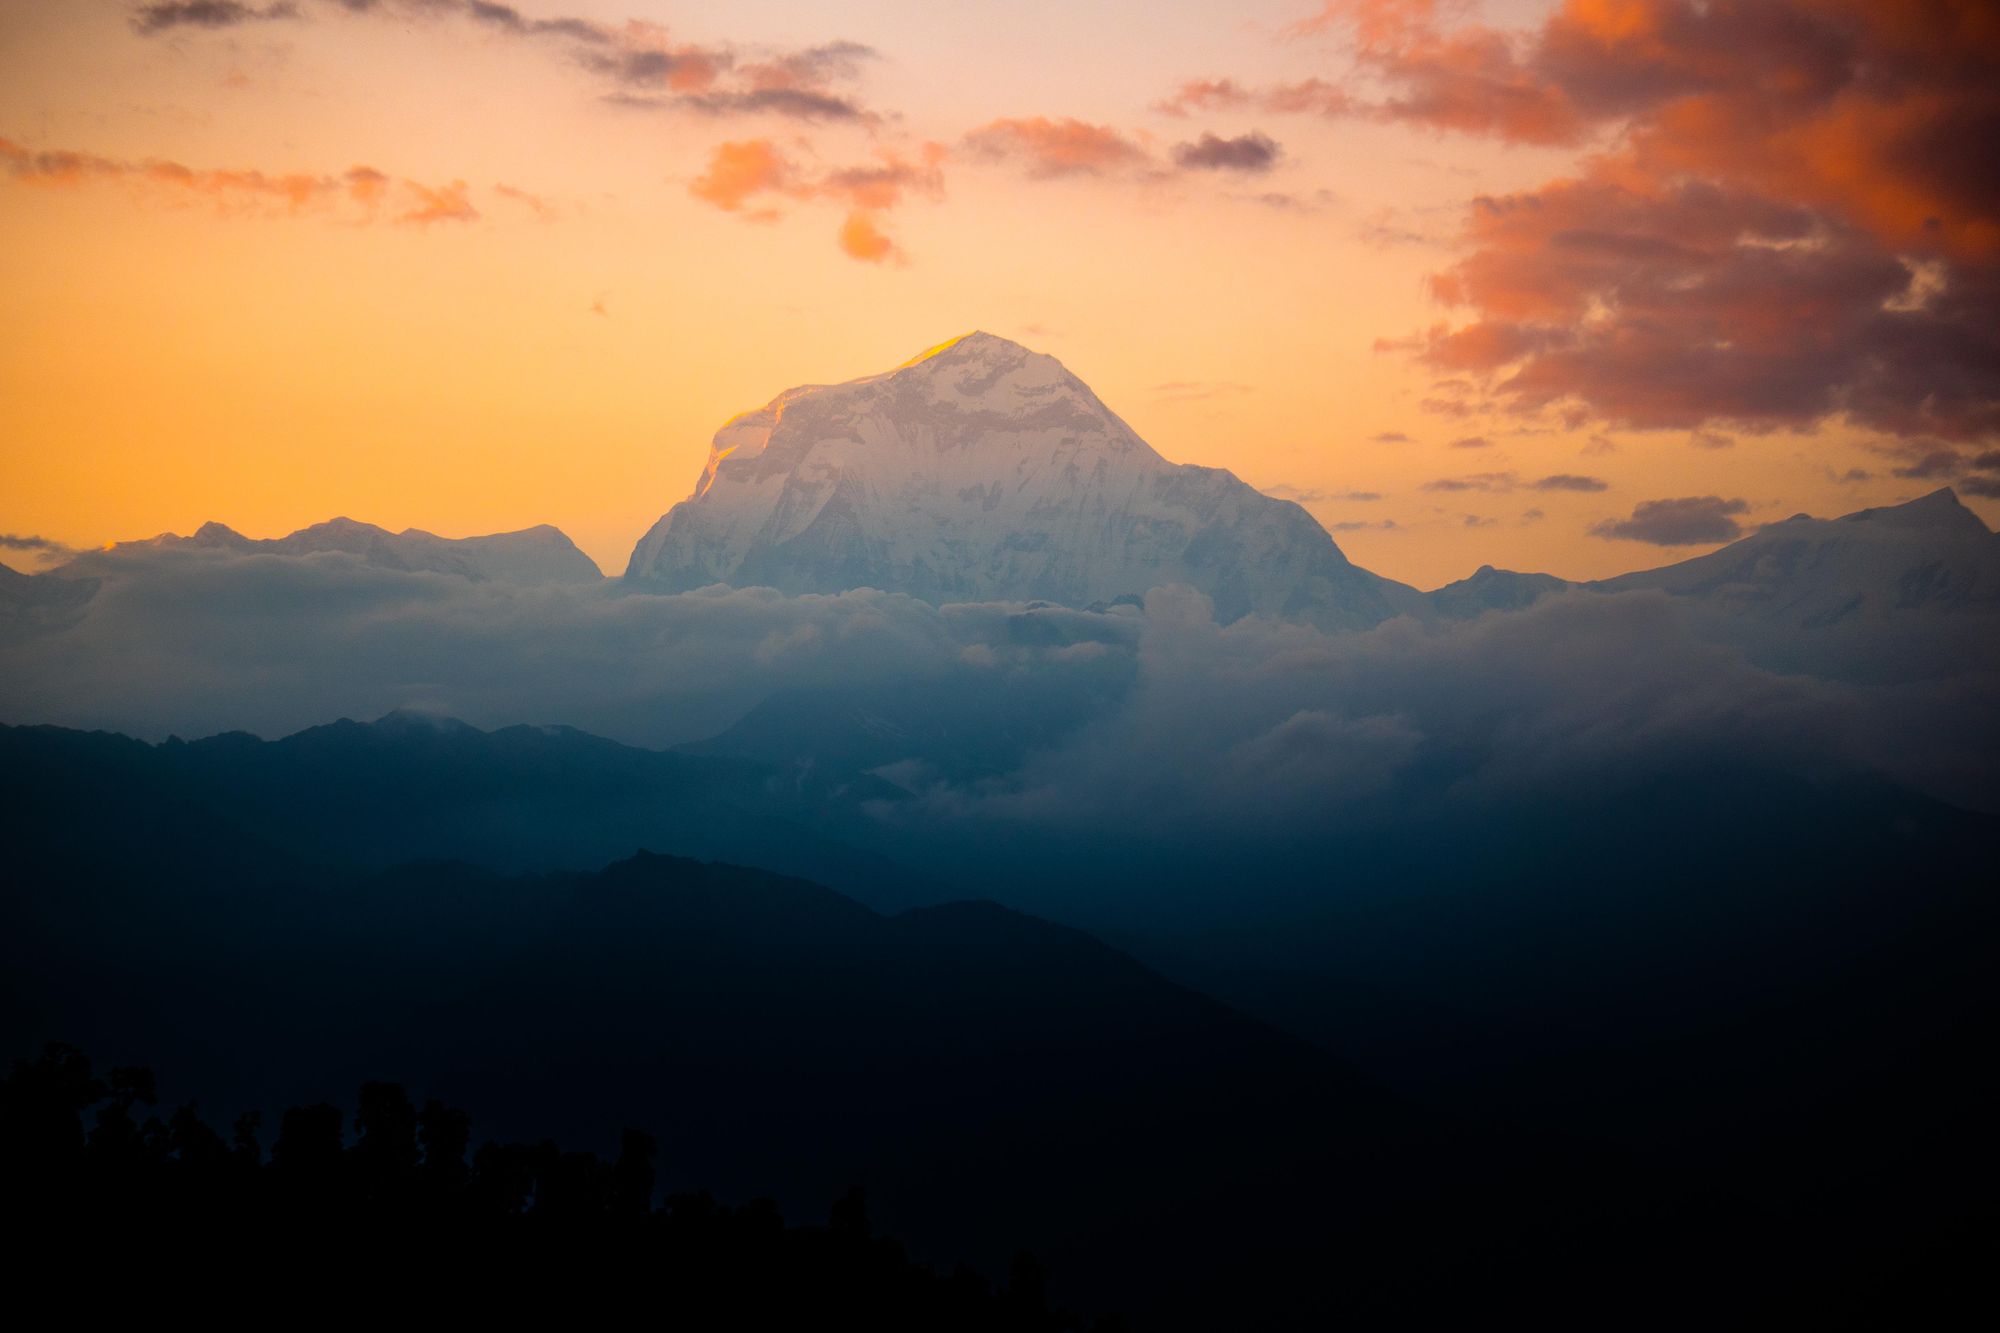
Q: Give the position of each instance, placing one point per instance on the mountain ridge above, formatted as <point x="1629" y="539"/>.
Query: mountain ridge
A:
<point x="983" y="471"/>
<point x="539" y="554"/>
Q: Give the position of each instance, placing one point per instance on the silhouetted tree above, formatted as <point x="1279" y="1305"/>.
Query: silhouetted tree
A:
<point x="632" y="1176"/>
<point x="850" y="1214"/>
<point x="399" y="1217"/>
<point x="385" y="1154"/>
<point x="444" y="1134"/>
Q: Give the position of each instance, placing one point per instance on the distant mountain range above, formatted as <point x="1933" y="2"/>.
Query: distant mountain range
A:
<point x="1899" y="593"/>
<point x="540" y="554"/>
<point x="1929" y="554"/>
<point x="981" y="471"/>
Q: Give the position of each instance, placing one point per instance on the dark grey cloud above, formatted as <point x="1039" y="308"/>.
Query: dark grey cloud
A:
<point x="1931" y="464"/>
<point x="1694" y="520"/>
<point x="792" y="103"/>
<point x="1314" y="495"/>
<point x="509" y="19"/>
<point x="169" y="14"/>
<point x="642" y="66"/>
<point x="1490" y="482"/>
<point x="1472" y="442"/>
<point x="829" y="62"/>
<point x="500" y="16"/>
<point x="1390" y="437"/>
<point x="1249" y="153"/>
<point x="1570" y="481"/>
<point x="43" y="547"/>
<point x="1285" y="202"/>
<point x="1934" y="460"/>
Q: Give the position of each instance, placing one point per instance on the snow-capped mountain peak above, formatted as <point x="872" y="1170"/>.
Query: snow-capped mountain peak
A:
<point x="982" y="470"/>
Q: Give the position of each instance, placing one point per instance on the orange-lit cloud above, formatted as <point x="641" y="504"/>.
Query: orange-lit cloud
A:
<point x="441" y="203"/>
<point x="1378" y="23"/>
<point x="862" y="239"/>
<point x="1304" y="97"/>
<point x="1798" y="219"/>
<point x="883" y="183"/>
<point x="742" y="171"/>
<point x="1048" y="148"/>
<point x="362" y="188"/>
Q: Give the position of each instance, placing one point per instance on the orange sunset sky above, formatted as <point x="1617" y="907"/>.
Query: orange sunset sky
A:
<point x="1468" y="281"/>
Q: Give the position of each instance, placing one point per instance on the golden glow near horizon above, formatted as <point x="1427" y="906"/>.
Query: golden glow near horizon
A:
<point x="458" y="275"/>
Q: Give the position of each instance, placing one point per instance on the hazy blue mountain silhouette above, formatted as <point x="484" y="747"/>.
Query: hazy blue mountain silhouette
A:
<point x="413" y="787"/>
<point x="1733" y="973"/>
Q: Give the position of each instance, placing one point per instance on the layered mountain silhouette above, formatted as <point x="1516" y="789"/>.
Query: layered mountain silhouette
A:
<point x="994" y="1080"/>
<point x="982" y="471"/>
<point x="1692" y="1043"/>
<point x="355" y="797"/>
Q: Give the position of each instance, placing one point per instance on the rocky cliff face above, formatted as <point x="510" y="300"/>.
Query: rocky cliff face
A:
<point x="983" y="471"/>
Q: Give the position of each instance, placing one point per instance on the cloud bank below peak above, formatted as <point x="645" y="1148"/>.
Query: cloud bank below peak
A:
<point x="1155" y="718"/>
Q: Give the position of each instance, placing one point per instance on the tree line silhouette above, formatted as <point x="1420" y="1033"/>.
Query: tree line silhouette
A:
<point x="102" y="1187"/>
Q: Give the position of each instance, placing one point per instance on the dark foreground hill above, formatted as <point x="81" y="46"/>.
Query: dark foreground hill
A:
<point x="995" y="1081"/>
<point x="403" y="1218"/>
<point x="999" y="1082"/>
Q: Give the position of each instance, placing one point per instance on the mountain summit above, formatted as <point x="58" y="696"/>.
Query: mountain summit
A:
<point x="983" y="471"/>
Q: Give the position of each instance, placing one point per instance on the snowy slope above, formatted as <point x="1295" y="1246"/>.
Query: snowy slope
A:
<point x="983" y="471"/>
<point x="1931" y="554"/>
